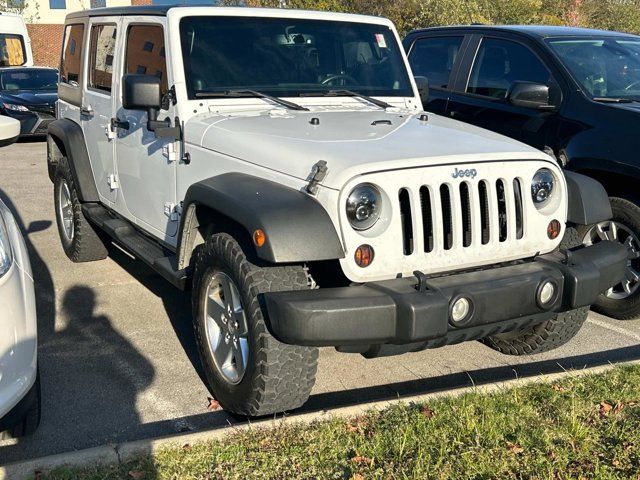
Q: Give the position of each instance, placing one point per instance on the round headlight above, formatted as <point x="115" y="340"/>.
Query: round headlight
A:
<point x="363" y="206"/>
<point x="542" y="186"/>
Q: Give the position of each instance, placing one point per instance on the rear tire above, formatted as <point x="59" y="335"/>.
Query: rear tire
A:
<point x="248" y="371"/>
<point x="80" y="241"/>
<point x="546" y="336"/>
<point x="617" y="302"/>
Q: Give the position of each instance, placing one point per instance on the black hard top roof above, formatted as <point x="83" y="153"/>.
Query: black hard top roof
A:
<point x="537" y="31"/>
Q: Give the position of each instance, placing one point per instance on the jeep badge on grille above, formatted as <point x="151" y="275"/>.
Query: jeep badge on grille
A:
<point x="469" y="172"/>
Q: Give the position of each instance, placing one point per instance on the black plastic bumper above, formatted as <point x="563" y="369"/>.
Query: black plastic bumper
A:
<point x="396" y="312"/>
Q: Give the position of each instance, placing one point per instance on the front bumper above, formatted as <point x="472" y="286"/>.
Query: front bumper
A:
<point x="396" y="312"/>
<point x="35" y="121"/>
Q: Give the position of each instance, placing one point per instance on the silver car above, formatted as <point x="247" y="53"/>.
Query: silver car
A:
<point x="19" y="381"/>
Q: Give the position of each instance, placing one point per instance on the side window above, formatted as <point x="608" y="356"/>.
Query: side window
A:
<point x="71" y="54"/>
<point x="103" y="44"/>
<point x="499" y="63"/>
<point x="145" y="52"/>
<point x="434" y="58"/>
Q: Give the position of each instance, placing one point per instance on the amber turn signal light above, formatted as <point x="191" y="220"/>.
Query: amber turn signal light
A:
<point x="364" y="255"/>
<point x="553" y="230"/>
<point x="259" y="238"/>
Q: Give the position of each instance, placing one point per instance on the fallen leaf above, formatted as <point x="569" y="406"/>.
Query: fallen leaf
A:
<point x="186" y="447"/>
<point x="514" y="448"/>
<point x="618" y="408"/>
<point x="136" y="474"/>
<point x="626" y="446"/>
<point x="426" y="411"/>
<point x="605" y="408"/>
<point x="37" y="475"/>
<point x="213" y="405"/>
<point x="551" y="454"/>
<point x="357" y="476"/>
<point x="558" y="388"/>
<point x="360" y="460"/>
<point x="615" y="462"/>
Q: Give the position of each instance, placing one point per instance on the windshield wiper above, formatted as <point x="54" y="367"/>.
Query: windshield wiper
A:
<point x="613" y="100"/>
<point x="348" y="93"/>
<point x="250" y="93"/>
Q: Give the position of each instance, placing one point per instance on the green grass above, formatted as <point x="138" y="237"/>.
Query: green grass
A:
<point x="582" y="427"/>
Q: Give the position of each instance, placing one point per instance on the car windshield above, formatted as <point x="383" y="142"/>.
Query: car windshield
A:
<point x="290" y="57"/>
<point x="607" y="68"/>
<point x="28" y="79"/>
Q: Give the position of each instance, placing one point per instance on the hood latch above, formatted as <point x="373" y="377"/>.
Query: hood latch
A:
<point x="318" y="173"/>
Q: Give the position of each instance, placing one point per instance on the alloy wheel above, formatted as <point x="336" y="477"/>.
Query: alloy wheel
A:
<point x="65" y="210"/>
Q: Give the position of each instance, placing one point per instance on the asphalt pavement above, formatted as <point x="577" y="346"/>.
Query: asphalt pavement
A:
<point x="117" y="354"/>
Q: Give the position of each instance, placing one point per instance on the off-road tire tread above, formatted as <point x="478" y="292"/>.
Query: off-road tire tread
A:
<point x="87" y="245"/>
<point x="543" y="337"/>
<point x="286" y="372"/>
<point x="628" y="309"/>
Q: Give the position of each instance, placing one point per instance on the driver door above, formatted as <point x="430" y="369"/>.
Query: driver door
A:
<point x="146" y="168"/>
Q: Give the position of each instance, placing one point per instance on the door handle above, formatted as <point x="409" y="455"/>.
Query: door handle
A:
<point x="86" y="111"/>
<point x="123" y="124"/>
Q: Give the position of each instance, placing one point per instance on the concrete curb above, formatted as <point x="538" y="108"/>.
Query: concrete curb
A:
<point x="123" y="452"/>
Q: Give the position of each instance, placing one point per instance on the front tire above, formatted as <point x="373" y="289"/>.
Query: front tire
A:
<point x="247" y="370"/>
<point x="622" y="301"/>
<point x="80" y="241"/>
<point x="543" y="337"/>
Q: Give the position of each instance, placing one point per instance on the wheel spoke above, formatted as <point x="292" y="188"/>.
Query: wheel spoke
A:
<point x="227" y="294"/>
<point x="626" y="286"/>
<point x="613" y="231"/>
<point x="632" y="274"/>
<point x="609" y="292"/>
<point x="215" y="311"/>
<point x="239" y="318"/>
<point x="222" y="352"/>
<point x="239" y="356"/>
<point x="601" y="233"/>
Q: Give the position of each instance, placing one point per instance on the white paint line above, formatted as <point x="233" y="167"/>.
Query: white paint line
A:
<point x="615" y="328"/>
<point x="124" y="452"/>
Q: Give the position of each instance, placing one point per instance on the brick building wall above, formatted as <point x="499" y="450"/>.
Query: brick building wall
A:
<point x="46" y="43"/>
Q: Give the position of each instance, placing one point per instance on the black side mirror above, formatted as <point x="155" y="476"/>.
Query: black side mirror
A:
<point x="142" y="92"/>
<point x="530" y="95"/>
<point x="423" y="87"/>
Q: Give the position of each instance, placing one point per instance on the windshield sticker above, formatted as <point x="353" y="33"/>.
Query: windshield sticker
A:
<point x="382" y="43"/>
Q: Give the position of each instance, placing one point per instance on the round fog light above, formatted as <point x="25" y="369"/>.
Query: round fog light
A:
<point x="460" y="309"/>
<point x="364" y="255"/>
<point x="553" y="229"/>
<point x="547" y="294"/>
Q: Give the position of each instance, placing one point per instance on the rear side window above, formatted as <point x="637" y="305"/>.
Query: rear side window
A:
<point x="103" y="44"/>
<point x="71" y="54"/>
<point x="12" y="53"/>
<point x="145" y="52"/>
<point x="499" y="63"/>
<point x="434" y="58"/>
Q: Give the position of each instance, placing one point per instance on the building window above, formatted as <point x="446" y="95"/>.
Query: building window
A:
<point x="142" y="39"/>
<point x="72" y="46"/>
<point x="148" y="47"/>
<point x="159" y="74"/>
<point x="57" y="4"/>
<point x="141" y="69"/>
<point x="162" y="52"/>
<point x="109" y="60"/>
<point x="98" y="3"/>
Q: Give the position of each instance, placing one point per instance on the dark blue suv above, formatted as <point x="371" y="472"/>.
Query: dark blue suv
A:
<point x="574" y="93"/>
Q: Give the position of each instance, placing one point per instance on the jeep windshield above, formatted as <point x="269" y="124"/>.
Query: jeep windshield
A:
<point x="608" y="69"/>
<point x="291" y="58"/>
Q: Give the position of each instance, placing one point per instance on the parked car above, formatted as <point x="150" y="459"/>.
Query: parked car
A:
<point x="15" y="44"/>
<point x="574" y="93"/>
<point x="29" y="95"/>
<point x="280" y="165"/>
<point x="19" y="379"/>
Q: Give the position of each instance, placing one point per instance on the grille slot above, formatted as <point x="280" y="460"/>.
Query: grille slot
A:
<point x="407" y="221"/>
<point x="517" y="197"/>
<point x="502" y="209"/>
<point x="447" y="219"/>
<point x="483" y="193"/>
<point x="465" y="206"/>
<point x="427" y="218"/>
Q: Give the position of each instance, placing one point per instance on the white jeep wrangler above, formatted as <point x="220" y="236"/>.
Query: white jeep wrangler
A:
<point x="278" y="163"/>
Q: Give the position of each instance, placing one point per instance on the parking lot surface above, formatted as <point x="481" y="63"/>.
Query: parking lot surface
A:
<point x="118" y="360"/>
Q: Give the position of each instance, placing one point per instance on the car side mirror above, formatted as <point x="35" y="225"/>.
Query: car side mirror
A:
<point x="530" y="95"/>
<point x="9" y="130"/>
<point x="142" y="92"/>
<point x="423" y="87"/>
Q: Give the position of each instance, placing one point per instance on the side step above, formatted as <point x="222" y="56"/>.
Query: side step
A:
<point x="140" y="246"/>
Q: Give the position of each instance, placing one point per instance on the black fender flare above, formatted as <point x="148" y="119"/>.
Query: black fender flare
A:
<point x="296" y="226"/>
<point x="69" y="133"/>
<point x="588" y="200"/>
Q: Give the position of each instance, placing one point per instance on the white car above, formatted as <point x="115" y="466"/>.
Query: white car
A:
<point x="279" y="164"/>
<point x="19" y="381"/>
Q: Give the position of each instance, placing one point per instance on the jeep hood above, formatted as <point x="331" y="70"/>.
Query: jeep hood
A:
<point x="351" y="142"/>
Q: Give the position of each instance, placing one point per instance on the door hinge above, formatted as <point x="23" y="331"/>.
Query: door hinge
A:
<point x="112" y="181"/>
<point x="172" y="211"/>
<point x="169" y="152"/>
